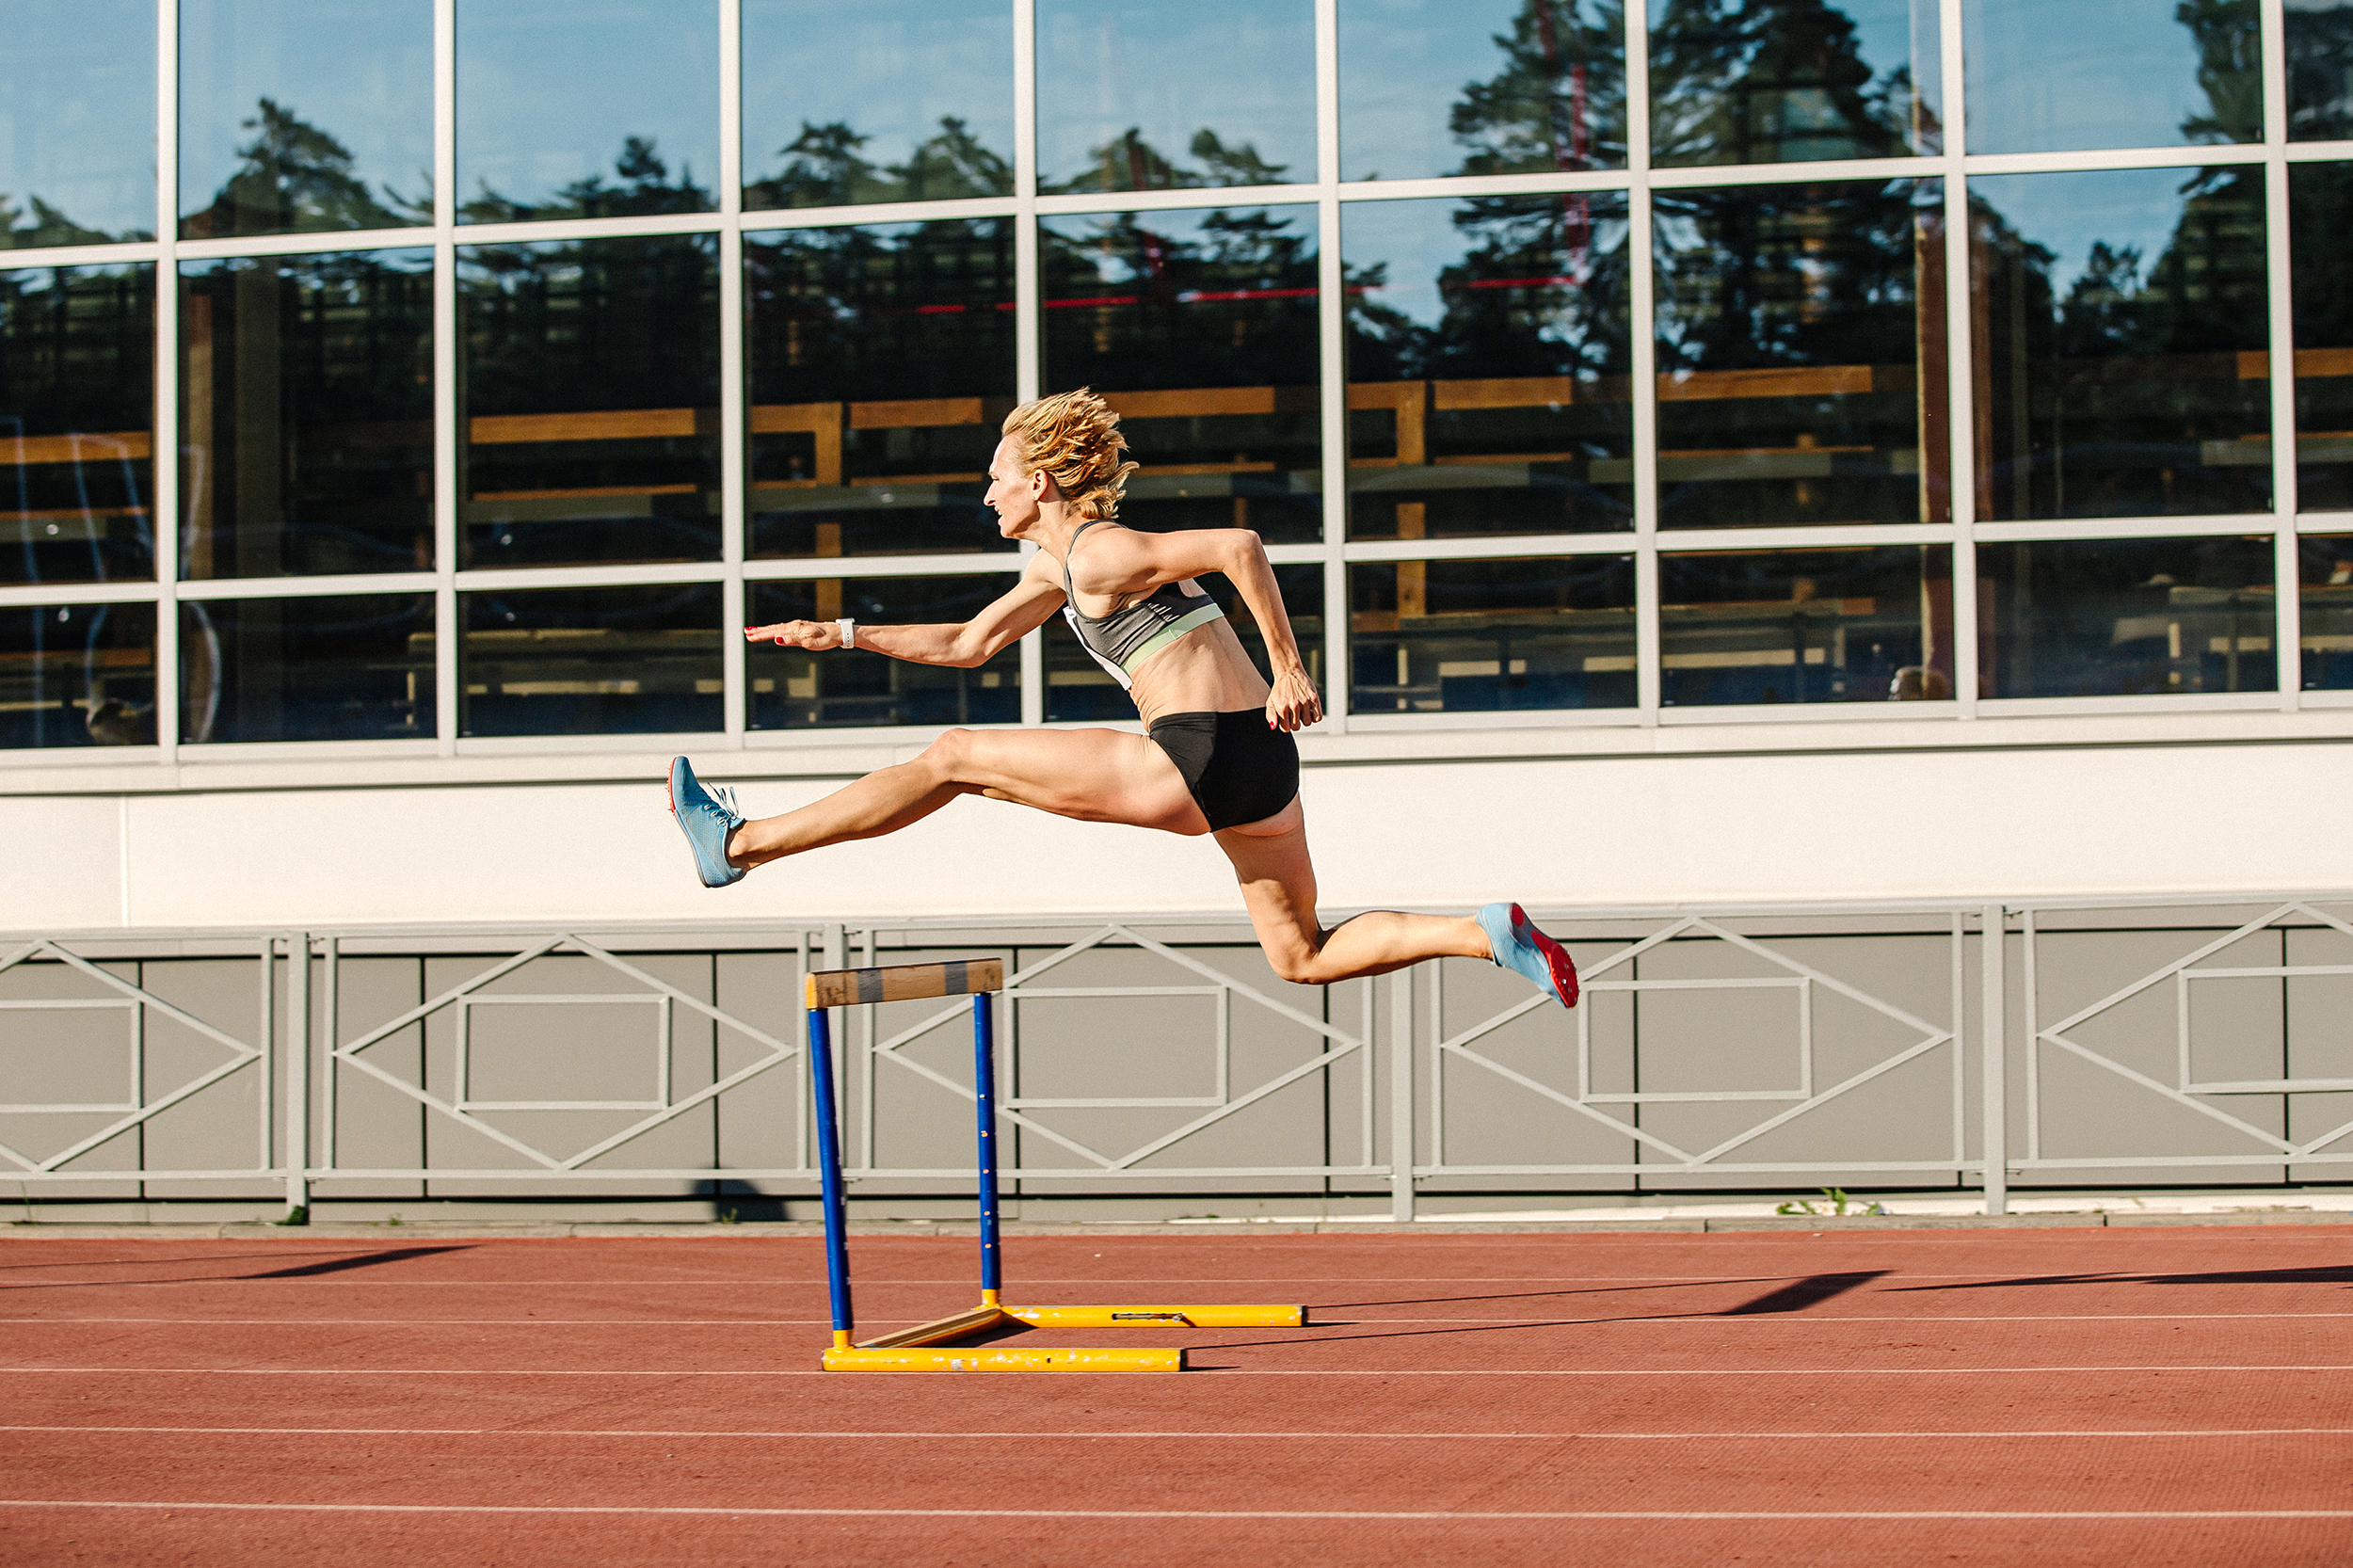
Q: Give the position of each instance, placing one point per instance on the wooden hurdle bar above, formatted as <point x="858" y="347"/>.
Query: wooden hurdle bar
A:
<point x="930" y="1347"/>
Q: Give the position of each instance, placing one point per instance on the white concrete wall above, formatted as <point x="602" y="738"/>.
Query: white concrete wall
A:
<point x="2258" y="803"/>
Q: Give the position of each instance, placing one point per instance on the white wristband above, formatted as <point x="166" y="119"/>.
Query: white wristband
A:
<point x="849" y="632"/>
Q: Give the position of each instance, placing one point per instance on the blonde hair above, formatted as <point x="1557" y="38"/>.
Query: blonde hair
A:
<point x="1075" y="438"/>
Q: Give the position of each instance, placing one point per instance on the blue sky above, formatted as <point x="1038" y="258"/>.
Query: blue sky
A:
<point x="2136" y="207"/>
<point x="360" y="70"/>
<point x="891" y="73"/>
<point x="548" y="89"/>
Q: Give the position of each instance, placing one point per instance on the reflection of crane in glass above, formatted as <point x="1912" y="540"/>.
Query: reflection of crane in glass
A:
<point x="1569" y="153"/>
<point x="110" y="720"/>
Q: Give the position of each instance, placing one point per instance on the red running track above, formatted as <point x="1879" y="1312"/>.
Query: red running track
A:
<point x="2145" y="1398"/>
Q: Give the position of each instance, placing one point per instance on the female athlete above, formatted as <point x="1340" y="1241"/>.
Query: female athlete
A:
<point x="1217" y="756"/>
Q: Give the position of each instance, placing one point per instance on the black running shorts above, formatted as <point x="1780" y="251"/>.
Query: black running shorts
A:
<point x="1240" y="769"/>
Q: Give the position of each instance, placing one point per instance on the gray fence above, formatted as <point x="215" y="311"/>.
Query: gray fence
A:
<point x="1749" y="1049"/>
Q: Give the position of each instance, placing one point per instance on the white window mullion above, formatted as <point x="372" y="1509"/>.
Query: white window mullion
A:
<point x="1028" y="313"/>
<point x="1332" y="340"/>
<point x="1960" y="373"/>
<point x="2287" y="635"/>
<point x="733" y="392"/>
<point x="446" y="629"/>
<point x="165" y="484"/>
<point x="1642" y="338"/>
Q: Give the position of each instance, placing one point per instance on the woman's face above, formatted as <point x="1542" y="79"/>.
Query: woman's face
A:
<point x="1012" y="493"/>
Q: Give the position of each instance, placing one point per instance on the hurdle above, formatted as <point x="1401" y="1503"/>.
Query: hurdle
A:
<point x="930" y="1347"/>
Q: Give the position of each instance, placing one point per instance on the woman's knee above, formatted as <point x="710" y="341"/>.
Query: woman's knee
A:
<point x="1295" y="961"/>
<point x="950" y="755"/>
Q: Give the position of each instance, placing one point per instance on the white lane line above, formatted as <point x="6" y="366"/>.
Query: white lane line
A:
<point x="1810" y="1321"/>
<point x="1464" y="1516"/>
<point x="1000" y="1436"/>
<point x="1223" y="1372"/>
<point x="2118" y="1276"/>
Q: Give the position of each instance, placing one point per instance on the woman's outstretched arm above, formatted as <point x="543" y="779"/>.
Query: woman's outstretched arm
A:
<point x="964" y="644"/>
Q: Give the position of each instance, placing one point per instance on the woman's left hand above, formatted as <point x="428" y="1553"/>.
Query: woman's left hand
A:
<point x="1293" y="704"/>
<point x="816" y="635"/>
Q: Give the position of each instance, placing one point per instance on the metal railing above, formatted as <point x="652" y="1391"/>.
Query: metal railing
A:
<point x="1716" y="1046"/>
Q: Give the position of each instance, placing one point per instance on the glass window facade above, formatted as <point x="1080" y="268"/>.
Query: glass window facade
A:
<point x="1781" y="83"/>
<point x="78" y="674"/>
<point x="1793" y="329"/>
<point x="77" y="125"/>
<point x="1792" y="625"/>
<point x="306" y="414"/>
<point x="77" y="424"/>
<point x="915" y="102"/>
<point x="2128" y="617"/>
<point x="2325" y="584"/>
<point x="2123" y="329"/>
<point x="303" y="115"/>
<point x="1488" y="636"/>
<point x="2320" y="247"/>
<point x="591" y="383"/>
<point x="795" y="689"/>
<point x="881" y="361"/>
<point x="586" y="109"/>
<point x="1432" y="87"/>
<point x="591" y="661"/>
<point x="1676" y="368"/>
<point x="355" y="669"/>
<point x="1200" y="328"/>
<point x="1491" y="385"/>
<point x="1137" y="96"/>
<point x="2319" y="38"/>
<point x="2108" y="73"/>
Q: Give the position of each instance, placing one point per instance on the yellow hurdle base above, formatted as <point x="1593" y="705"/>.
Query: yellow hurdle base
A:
<point x="1159" y="1317"/>
<point x="1000" y="1358"/>
<point x="926" y="1348"/>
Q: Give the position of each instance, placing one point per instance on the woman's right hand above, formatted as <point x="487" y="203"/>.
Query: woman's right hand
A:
<point x="815" y="636"/>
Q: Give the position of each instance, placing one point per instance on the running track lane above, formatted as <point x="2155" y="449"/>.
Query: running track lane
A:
<point x="2019" y="1396"/>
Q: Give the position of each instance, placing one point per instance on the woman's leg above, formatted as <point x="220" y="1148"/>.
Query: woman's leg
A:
<point x="1278" y="884"/>
<point x="1092" y="775"/>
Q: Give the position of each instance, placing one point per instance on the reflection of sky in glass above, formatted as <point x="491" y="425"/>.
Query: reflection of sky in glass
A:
<point x="2059" y="76"/>
<point x="77" y="121"/>
<point x="1419" y="240"/>
<point x="2129" y="208"/>
<point x="1244" y="69"/>
<point x="546" y="90"/>
<point x="891" y="70"/>
<point x="362" y="71"/>
<point x="1403" y="65"/>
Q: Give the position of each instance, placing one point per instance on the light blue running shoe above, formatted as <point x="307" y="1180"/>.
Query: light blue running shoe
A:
<point x="1519" y="946"/>
<point x="706" y="816"/>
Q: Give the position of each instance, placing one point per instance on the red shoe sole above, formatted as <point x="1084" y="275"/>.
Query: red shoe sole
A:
<point x="1556" y="956"/>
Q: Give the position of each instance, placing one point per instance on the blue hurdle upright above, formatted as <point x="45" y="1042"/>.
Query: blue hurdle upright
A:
<point x="930" y="1347"/>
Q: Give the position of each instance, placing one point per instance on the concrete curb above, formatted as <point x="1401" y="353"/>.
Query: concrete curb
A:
<point x="429" y="1230"/>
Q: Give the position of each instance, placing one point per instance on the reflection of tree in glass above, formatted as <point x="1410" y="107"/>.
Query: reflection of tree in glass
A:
<point x="294" y="176"/>
<point x="1256" y="268"/>
<point x="823" y="168"/>
<point x="1542" y="290"/>
<point x="1127" y="162"/>
<point x="645" y="188"/>
<point x="2206" y="291"/>
<point x="1559" y="103"/>
<point x="1789" y="275"/>
<point x="2320" y="72"/>
<point x="45" y="225"/>
<point x="2228" y="37"/>
<point x="1774" y="81"/>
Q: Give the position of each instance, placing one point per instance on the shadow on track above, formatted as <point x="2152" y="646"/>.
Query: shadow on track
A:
<point x="2324" y="1275"/>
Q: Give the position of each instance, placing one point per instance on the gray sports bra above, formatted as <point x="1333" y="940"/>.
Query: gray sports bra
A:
<point x="1123" y="640"/>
